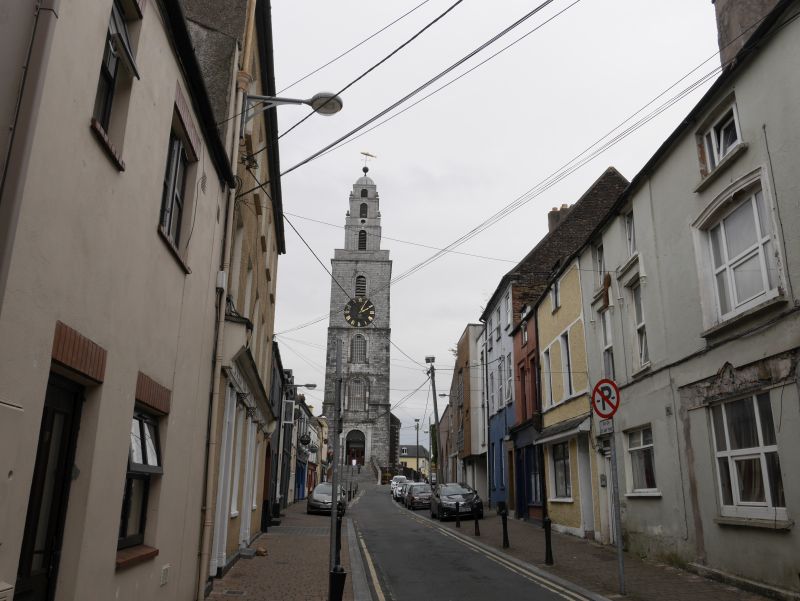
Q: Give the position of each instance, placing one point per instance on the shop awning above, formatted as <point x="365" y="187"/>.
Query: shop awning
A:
<point x="565" y="430"/>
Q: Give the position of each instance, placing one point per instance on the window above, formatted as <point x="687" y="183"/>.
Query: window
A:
<point x="630" y="234"/>
<point x="567" y="365"/>
<point x="523" y="383"/>
<point x="561" y="475"/>
<point x="500" y="377"/>
<point x="491" y="392"/>
<point x="358" y="349"/>
<point x="144" y="460"/>
<point x="489" y="336"/>
<point x="641" y="331"/>
<point x="722" y="137"/>
<point x="497" y="320"/>
<point x="640" y="450"/>
<point x="172" y="202"/>
<point x="508" y="309"/>
<point x="362" y="211"/>
<point x="599" y="265"/>
<point x="364" y="195"/>
<point x="509" y="376"/>
<point x="358" y="395"/>
<point x="361" y="286"/>
<point x="362" y="240"/>
<point x="607" y="344"/>
<point x="743" y="256"/>
<point x="524" y="332"/>
<point x="555" y="296"/>
<point x="116" y="53"/>
<point x="548" y="377"/>
<point x="748" y="468"/>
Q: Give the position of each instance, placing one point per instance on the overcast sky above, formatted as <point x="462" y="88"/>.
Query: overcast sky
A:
<point x="450" y="162"/>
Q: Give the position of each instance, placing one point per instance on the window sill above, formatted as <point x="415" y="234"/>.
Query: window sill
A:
<point x="726" y="160"/>
<point x="134" y="555"/>
<point x="561" y="500"/>
<point x="642" y="370"/>
<point x="234" y="515"/>
<point x="778" y="525"/>
<point x="108" y="146"/>
<point x="623" y="269"/>
<point x="173" y="251"/>
<point x="643" y="494"/>
<point x="731" y="321"/>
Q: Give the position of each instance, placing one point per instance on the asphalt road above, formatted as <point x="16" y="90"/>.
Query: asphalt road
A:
<point x="415" y="561"/>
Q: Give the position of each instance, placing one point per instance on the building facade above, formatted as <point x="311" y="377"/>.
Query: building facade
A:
<point x="360" y="322"/>
<point x="107" y="301"/>
<point x="466" y="393"/>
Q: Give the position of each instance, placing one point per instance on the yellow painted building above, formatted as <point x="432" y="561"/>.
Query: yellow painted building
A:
<point x="569" y="459"/>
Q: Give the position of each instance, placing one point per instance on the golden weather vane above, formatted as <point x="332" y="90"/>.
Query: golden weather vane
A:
<point x="367" y="157"/>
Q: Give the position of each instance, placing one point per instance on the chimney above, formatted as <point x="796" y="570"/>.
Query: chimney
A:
<point x="736" y="22"/>
<point x="556" y="216"/>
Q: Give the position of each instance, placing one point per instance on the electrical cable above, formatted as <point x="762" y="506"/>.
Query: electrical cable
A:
<point x="373" y="67"/>
<point x="348" y="51"/>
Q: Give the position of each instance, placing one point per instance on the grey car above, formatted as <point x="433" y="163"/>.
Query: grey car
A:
<point x="417" y="495"/>
<point x="319" y="501"/>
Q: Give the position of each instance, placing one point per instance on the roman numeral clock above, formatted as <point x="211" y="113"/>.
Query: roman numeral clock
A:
<point x="359" y="312"/>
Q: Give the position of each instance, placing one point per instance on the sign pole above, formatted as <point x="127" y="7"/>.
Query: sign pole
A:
<point x="617" y="520"/>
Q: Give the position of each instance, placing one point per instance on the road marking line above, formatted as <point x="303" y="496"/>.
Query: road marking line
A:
<point x="372" y="573"/>
<point x="532" y="576"/>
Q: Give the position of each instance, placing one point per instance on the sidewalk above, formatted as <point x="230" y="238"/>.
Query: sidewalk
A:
<point x="594" y="566"/>
<point x="295" y="567"/>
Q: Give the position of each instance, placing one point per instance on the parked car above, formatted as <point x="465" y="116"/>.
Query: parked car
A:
<point x="400" y="491"/>
<point x="395" y="481"/>
<point x="319" y="501"/>
<point x="445" y="497"/>
<point x="418" y="494"/>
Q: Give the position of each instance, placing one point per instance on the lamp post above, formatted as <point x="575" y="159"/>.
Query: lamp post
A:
<point x="416" y="426"/>
<point x="323" y="103"/>
<point x="432" y="373"/>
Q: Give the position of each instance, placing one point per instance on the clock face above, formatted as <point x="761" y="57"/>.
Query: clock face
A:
<point x="359" y="312"/>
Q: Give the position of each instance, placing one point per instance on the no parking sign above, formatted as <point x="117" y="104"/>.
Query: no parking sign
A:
<point x="605" y="398"/>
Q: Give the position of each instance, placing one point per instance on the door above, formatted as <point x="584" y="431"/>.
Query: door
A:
<point x="47" y="505"/>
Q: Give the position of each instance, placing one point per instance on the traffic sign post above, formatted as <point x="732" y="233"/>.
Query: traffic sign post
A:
<point x="605" y="402"/>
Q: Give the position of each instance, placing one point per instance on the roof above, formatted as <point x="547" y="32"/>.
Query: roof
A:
<point x="535" y="268"/>
<point x="412" y="451"/>
<point x="365" y="180"/>
<point x="201" y="102"/>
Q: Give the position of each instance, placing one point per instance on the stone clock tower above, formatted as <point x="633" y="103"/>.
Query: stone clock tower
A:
<point x="359" y="317"/>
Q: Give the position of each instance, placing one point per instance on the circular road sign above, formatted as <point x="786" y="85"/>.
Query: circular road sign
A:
<point x="605" y="398"/>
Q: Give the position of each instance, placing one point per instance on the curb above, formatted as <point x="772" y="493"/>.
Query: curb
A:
<point x="543" y="574"/>
<point x="361" y="590"/>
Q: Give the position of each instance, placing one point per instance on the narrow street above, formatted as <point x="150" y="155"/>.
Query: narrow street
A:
<point x="415" y="558"/>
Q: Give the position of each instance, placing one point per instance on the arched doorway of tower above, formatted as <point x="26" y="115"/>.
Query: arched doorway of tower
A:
<point x="354" y="447"/>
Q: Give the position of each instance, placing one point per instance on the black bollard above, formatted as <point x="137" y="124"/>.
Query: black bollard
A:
<point x="458" y="515"/>
<point x="477" y="524"/>
<point x="548" y="546"/>
<point x="337" y="578"/>
<point x="503" y="511"/>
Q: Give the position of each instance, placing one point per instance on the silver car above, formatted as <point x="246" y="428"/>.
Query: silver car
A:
<point x="319" y="501"/>
<point x="396" y="481"/>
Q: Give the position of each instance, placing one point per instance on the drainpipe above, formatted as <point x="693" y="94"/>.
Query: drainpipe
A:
<point x="209" y="506"/>
<point x="23" y="120"/>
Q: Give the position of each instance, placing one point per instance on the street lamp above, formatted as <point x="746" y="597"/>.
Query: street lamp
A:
<point x="416" y="427"/>
<point x="324" y="103"/>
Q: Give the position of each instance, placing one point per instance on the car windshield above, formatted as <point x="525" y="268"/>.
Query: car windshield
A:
<point x="420" y="488"/>
<point x="455" y="489"/>
<point x="399" y="478"/>
<point x="323" y="489"/>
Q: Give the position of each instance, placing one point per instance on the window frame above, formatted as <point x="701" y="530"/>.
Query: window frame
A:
<point x="607" y="343"/>
<point x="497" y="327"/>
<point x="362" y="239"/>
<point x="640" y="325"/>
<point x="500" y="378"/>
<point x="713" y="155"/>
<point x="524" y="332"/>
<point x="509" y="378"/>
<point x="548" y="368"/>
<point x="363" y="401"/>
<point x="363" y="210"/>
<point x="555" y="296"/>
<point x="173" y="194"/>
<point x="509" y="312"/>
<point x="566" y="364"/>
<point x="765" y="239"/>
<point x="630" y="234"/>
<point x="640" y="448"/>
<point x="142" y="471"/>
<point x="738" y="508"/>
<point x="599" y="264"/>
<point x="564" y="461"/>
<point x="361" y="356"/>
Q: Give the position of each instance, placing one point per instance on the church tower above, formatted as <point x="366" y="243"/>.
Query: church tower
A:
<point x="359" y="317"/>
